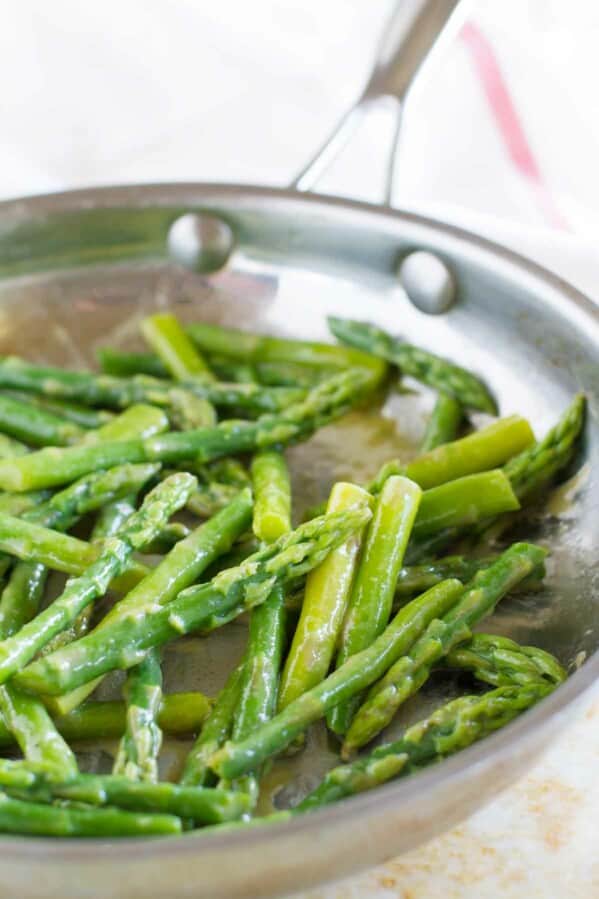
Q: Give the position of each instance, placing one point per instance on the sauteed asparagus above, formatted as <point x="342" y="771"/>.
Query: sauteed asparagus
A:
<point x="350" y="613"/>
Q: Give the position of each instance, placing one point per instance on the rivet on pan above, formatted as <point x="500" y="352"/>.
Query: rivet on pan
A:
<point x="428" y="282"/>
<point x="200" y="242"/>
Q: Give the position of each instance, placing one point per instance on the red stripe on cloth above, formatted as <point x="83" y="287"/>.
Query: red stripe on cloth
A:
<point x="508" y="121"/>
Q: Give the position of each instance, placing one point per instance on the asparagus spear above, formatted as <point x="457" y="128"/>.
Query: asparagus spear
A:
<point x="355" y="675"/>
<point x="35" y="732"/>
<point x="469" y="390"/>
<point x="22" y="595"/>
<point x="179" y="714"/>
<point x="34" y="425"/>
<point x="188" y="411"/>
<point x="477" y="452"/>
<point x="409" y="672"/>
<point x="90" y="493"/>
<point x="325" y="600"/>
<point x="372" y="594"/>
<point x="137" y="756"/>
<point x="259" y="684"/>
<point x="183" y="362"/>
<point x="216" y="729"/>
<point x="180" y="568"/>
<point x="532" y="469"/>
<point x="256" y="348"/>
<point x="26" y="717"/>
<point x="114" y="555"/>
<point x="413" y="579"/>
<point x="272" y="374"/>
<point x="18" y="503"/>
<point x="203" y="806"/>
<point x="119" y="393"/>
<point x="451" y="727"/>
<point x="272" y="492"/>
<point x="17" y="816"/>
<point x="79" y="415"/>
<point x="124" y="364"/>
<point x="480" y="451"/>
<point x="537" y="465"/>
<point x="123" y="642"/>
<point x="504" y="663"/>
<point x="444" y="423"/>
<point x="140" y="420"/>
<point x="464" y="501"/>
<point x="10" y="447"/>
<point x="50" y="467"/>
<point x="174" y="348"/>
<point x="219" y="482"/>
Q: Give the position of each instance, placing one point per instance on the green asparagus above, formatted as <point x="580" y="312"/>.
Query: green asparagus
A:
<point x="35" y="732"/>
<point x="452" y="727"/>
<point x="139" y="420"/>
<point x="180" y="714"/>
<point x="465" y="387"/>
<point x="124" y="364"/>
<point x="272" y="374"/>
<point x="444" y="423"/>
<point x="137" y="756"/>
<point x="359" y="672"/>
<point x="124" y="641"/>
<point x="77" y="414"/>
<point x="115" y="553"/>
<point x="119" y="393"/>
<point x="34" y="425"/>
<point x="256" y="348"/>
<point x="504" y="663"/>
<point x="328" y="401"/>
<point x="259" y="686"/>
<point x="409" y="672"/>
<point x="537" y="465"/>
<point x="325" y="600"/>
<point x="183" y="362"/>
<point x="372" y="594"/>
<point x="203" y="806"/>
<point x="179" y="569"/>
<point x="24" y="817"/>
<point x="174" y="348"/>
<point x="216" y="729"/>
<point x="480" y="451"/>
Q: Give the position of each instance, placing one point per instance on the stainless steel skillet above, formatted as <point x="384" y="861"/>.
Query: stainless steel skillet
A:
<point x="78" y="269"/>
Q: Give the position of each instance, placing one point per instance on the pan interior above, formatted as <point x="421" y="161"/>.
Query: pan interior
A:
<point x="533" y="353"/>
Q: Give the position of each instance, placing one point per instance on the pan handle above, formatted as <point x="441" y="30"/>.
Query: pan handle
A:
<point x="407" y="40"/>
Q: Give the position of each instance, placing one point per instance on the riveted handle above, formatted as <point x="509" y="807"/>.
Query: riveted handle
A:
<point x="409" y="37"/>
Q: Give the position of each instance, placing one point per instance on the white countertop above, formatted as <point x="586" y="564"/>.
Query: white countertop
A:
<point x="537" y="840"/>
<point x="504" y="139"/>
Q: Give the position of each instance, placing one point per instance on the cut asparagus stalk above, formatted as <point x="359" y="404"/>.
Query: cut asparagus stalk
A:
<point x="158" y="506"/>
<point x="324" y="604"/>
<point x="359" y="672"/>
<point x="123" y="642"/>
<point x="469" y="390"/>
<point x="409" y="672"/>
<point x="328" y="401"/>
<point x="371" y="599"/>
